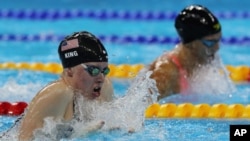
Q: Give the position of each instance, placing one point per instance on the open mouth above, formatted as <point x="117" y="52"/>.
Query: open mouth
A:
<point x="96" y="91"/>
<point x="210" y="54"/>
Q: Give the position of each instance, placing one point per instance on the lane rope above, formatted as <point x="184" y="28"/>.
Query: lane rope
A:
<point x="105" y="14"/>
<point x="204" y="110"/>
<point x="124" y="39"/>
<point x="168" y="110"/>
<point x="237" y="73"/>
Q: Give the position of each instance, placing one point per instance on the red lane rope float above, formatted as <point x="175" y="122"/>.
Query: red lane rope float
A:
<point x="237" y="73"/>
<point x="12" y="109"/>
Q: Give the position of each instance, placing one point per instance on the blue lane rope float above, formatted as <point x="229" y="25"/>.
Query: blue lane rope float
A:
<point x="56" y="14"/>
<point x="141" y="39"/>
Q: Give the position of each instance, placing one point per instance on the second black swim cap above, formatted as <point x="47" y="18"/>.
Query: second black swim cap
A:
<point x="195" y="22"/>
<point x="81" y="47"/>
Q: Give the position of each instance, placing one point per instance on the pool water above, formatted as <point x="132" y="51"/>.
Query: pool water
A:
<point x="130" y="38"/>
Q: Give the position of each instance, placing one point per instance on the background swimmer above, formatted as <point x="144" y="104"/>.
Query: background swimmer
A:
<point x="85" y="63"/>
<point x="200" y="34"/>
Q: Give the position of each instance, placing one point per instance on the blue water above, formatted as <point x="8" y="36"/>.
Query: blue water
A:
<point x="23" y="85"/>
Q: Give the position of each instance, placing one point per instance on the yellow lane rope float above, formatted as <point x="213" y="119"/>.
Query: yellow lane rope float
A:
<point x="237" y="73"/>
<point x="188" y="110"/>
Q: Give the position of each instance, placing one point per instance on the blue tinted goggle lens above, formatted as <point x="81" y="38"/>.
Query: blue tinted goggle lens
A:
<point x="209" y="43"/>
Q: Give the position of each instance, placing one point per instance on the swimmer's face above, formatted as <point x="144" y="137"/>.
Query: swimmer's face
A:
<point x="208" y="46"/>
<point x="89" y="85"/>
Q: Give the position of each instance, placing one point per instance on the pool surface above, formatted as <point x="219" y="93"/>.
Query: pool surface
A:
<point x="133" y="32"/>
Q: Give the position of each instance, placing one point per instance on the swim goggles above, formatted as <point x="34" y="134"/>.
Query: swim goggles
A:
<point x="94" y="70"/>
<point x="209" y="43"/>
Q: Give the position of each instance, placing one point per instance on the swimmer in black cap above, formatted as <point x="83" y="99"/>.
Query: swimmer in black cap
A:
<point x="200" y="33"/>
<point x="85" y="67"/>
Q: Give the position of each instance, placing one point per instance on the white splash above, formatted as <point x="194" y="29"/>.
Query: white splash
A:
<point x="212" y="79"/>
<point x="127" y="112"/>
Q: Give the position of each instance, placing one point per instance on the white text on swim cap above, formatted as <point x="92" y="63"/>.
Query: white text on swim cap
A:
<point x="71" y="54"/>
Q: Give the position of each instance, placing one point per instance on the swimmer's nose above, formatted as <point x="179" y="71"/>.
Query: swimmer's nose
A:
<point x="100" y="78"/>
<point x="215" y="48"/>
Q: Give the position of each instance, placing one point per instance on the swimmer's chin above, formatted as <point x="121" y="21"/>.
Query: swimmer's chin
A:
<point x="95" y="95"/>
<point x="210" y="58"/>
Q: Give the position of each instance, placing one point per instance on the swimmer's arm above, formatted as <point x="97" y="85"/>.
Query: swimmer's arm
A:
<point x="45" y="104"/>
<point x="167" y="77"/>
<point x="67" y="131"/>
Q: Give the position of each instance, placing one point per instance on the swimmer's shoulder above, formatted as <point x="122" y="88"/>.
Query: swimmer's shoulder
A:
<point x="164" y="70"/>
<point x="55" y="90"/>
<point x="50" y="102"/>
<point x="163" y="63"/>
<point x="55" y="96"/>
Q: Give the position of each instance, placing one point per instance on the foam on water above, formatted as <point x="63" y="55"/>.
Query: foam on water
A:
<point x="12" y="91"/>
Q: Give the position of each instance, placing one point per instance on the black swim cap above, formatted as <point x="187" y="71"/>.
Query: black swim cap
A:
<point x="195" y="22"/>
<point x="81" y="47"/>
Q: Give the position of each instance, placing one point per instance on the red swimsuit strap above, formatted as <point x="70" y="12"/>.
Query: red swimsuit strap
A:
<point x="183" y="74"/>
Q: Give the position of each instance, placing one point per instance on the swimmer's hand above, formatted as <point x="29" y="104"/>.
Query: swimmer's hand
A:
<point x="64" y="131"/>
<point x="131" y="130"/>
<point x="88" y="128"/>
